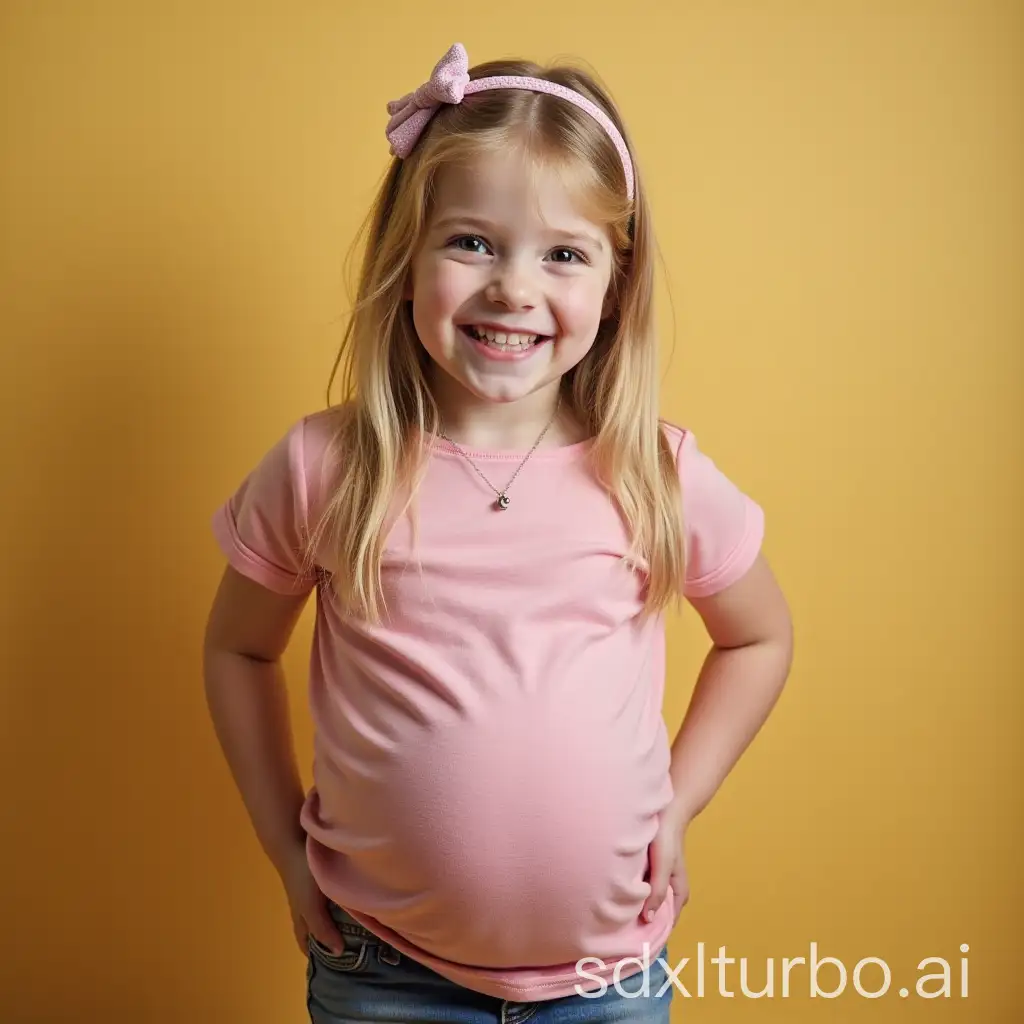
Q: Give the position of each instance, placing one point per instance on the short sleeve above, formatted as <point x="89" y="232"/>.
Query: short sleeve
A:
<point x="724" y="526"/>
<point x="262" y="527"/>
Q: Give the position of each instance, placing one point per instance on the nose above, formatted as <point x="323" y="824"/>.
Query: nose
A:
<point x="511" y="285"/>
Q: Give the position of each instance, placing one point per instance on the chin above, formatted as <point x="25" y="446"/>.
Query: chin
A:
<point x="502" y="394"/>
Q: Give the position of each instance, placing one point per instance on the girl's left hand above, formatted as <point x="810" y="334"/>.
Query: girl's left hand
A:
<point x="667" y="864"/>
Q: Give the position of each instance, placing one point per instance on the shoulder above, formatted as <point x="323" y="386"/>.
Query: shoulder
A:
<point x="315" y="437"/>
<point x="296" y="467"/>
<point x="681" y="441"/>
<point x="724" y="525"/>
<point x="313" y="445"/>
<point x="673" y="433"/>
<point x="263" y="524"/>
<point x="699" y="473"/>
<point x="693" y="462"/>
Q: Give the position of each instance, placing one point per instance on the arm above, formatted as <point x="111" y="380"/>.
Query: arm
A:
<point x="752" y="635"/>
<point x="741" y="679"/>
<point x="247" y="632"/>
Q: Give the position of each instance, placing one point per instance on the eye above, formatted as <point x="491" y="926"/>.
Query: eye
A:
<point x="566" y="255"/>
<point x="470" y="243"/>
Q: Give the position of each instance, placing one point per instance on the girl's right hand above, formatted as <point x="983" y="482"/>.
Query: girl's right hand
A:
<point x="307" y="904"/>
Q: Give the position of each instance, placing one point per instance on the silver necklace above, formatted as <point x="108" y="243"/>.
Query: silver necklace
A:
<point x="503" y="500"/>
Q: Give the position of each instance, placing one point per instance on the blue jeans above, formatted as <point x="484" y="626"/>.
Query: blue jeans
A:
<point x="371" y="981"/>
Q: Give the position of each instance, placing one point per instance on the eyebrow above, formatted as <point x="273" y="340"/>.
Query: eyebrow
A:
<point x="481" y="224"/>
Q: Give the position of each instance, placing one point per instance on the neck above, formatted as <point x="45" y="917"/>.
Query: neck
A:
<point x="503" y="426"/>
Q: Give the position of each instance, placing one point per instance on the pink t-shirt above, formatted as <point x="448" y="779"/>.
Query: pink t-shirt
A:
<point x="490" y="762"/>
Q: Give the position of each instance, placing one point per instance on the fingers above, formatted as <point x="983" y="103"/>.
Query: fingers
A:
<point x="319" y="925"/>
<point x="659" y="871"/>
<point x="324" y="930"/>
<point x="655" y="899"/>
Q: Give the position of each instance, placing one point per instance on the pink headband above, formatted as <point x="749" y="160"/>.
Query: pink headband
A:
<point x="450" y="82"/>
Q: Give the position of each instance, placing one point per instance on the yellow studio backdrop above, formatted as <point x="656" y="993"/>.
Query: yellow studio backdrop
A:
<point x="838" y="196"/>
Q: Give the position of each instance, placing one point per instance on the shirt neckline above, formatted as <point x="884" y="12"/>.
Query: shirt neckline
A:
<point x="562" y="452"/>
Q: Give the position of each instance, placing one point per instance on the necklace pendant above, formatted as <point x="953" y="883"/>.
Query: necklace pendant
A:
<point x="503" y="501"/>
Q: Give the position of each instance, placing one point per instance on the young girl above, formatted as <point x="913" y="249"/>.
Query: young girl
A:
<point x="493" y="523"/>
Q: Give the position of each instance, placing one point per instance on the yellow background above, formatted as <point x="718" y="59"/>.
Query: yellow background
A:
<point x="838" y="195"/>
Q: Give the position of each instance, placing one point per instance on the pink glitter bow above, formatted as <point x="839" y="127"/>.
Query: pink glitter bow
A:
<point x="411" y="114"/>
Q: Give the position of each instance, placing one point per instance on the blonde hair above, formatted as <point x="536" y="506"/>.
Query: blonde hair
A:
<point x="612" y="392"/>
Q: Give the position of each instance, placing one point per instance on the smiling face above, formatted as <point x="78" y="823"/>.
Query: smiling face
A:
<point x="509" y="284"/>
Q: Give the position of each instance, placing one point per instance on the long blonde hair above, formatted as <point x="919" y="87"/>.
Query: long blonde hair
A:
<point x="612" y="392"/>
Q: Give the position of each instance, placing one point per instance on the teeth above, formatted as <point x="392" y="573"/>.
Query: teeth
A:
<point x="503" y="340"/>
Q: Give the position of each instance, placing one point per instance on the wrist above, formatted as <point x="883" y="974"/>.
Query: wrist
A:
<point x="683" y="808"/>
<point x="286" y="850"/>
